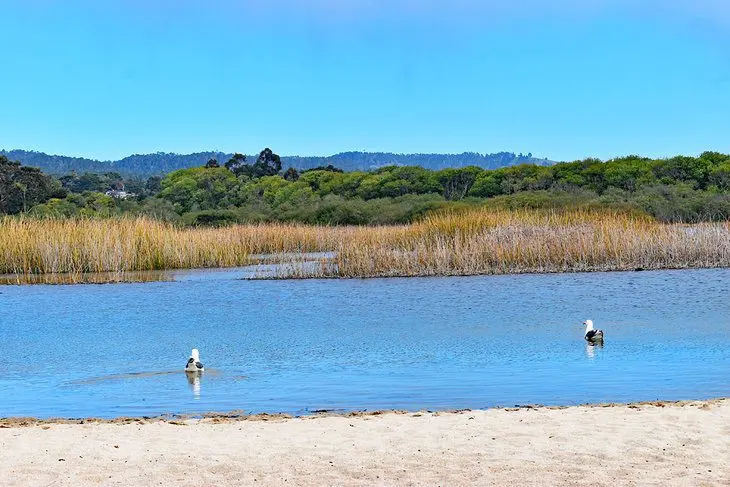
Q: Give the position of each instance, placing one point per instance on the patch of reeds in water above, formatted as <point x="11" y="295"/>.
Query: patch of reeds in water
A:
<point x="481" y="241"/>
<point x="503" y="242"/>
<point x="49" y="246"/>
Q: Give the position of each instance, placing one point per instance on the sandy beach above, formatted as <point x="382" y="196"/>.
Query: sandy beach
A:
<point x="685" y="443"/>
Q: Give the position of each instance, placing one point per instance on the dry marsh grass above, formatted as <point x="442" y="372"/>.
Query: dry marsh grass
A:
<point x="502" y="242"/>
<point x="480" y="241"/>
<point x="29" y="246"/>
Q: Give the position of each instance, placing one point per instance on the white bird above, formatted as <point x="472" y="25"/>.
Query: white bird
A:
<point x="194" y="364"/>
<point x="592" y="335"/>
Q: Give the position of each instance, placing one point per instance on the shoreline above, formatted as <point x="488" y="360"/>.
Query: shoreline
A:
<point x="66" y="279"/>
<point x="237" y="415"/>
<point x="653" y="443"/>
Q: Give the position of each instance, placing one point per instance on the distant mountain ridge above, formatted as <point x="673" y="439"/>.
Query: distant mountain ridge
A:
<point x="161" y="162"/>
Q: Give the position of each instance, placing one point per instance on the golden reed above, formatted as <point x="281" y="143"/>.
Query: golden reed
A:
<point x="30" y="246"/>
<point x="478" y="241"/>
<point x="487" y="241"/>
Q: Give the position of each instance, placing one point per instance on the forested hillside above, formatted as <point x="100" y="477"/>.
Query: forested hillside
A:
<point x="145" y="165"/>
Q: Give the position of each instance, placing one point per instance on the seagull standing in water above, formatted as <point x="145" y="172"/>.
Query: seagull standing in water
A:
<point x="194" y="364"/>
<point x="592" y="335"/>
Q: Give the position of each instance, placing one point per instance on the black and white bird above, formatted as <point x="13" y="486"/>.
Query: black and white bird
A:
<point x="194" y="364"/>
<point x="592" y="335"/>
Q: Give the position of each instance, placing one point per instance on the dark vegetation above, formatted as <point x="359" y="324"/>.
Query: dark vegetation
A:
<point x="23" y="187"/>
<point x="243" y="189"/>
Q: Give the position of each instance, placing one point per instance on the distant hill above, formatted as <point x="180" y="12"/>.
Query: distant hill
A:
<point x="144" y="165"/>
<point x="363" y="161"/>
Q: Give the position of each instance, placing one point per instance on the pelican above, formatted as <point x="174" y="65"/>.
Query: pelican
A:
<point x="194" y="364"/>
<point x="592" y="335"/>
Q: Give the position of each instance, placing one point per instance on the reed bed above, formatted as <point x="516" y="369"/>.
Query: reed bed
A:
<point x="480" y="241"/>
<point x="505" y="242"/>
<point x="50" y="246"/>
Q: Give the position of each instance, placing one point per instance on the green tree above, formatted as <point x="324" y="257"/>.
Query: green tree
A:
<point x="628" y="173"/>
<point x="267" y="164"/>
<point x="720" y="177"/>
<point x="456" y="183"/>
<point x="692" y="170"/>
<point x="525" y="177"/>
<point x="200" y="188"/>
<point x="291" y="174"/>
<point x="345" y="184"/>
<point x="320" y="181"/>
<point x="487" y="185"/>
<point x="23" y="187"/>
<point x="237" y="164"/>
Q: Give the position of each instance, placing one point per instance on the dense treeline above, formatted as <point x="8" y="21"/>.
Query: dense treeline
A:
<point x="679" y="189"/>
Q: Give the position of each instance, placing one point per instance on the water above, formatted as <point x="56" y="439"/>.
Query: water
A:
<point x="420" y="343"/>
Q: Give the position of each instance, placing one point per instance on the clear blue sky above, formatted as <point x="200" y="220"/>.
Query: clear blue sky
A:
<point x="563" y="79"/>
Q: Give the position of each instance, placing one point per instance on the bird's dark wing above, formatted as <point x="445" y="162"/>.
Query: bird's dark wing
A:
<point x="199" y="365"/>
<point x="190" y="361"/>
<point x="591" y="335"/>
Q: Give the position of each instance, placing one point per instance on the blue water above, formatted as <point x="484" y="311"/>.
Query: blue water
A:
<point x="305" y="345"/>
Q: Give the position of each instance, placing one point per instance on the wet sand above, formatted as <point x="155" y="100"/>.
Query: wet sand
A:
<point x="686" y="443"/>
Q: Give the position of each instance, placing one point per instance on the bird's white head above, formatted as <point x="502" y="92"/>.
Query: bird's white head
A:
<point x="195" y="355"/>
<point x="589" y="325"/>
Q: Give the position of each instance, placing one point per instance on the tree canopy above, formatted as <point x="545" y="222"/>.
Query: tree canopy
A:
<point x="674" y="189"/>
<point x="22" y="187"/>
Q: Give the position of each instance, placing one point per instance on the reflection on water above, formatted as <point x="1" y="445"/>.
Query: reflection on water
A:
<point x="86" y="277"/>
<point x="420" y="343"/>
<point x="129" y="375"/>
<point x="262" y="266"/>
<point x="194" y="381"/>
<point x="142" y="375"/>
<point x="591" y="349"/>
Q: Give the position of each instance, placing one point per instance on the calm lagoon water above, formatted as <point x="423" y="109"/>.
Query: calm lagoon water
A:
<point x="420" y="343"/>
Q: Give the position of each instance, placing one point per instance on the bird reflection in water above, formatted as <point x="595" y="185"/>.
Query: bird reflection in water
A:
<point x="194" y="382"/>
<point x="591" y="349"/>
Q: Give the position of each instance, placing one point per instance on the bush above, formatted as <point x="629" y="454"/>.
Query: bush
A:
<point x="210" y="218"/>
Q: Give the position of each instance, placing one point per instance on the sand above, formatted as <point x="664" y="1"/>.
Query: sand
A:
<point x="645" y="444"/>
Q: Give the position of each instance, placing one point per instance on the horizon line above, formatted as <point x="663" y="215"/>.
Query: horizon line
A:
<point x="546" y="158"/>
<point x="280" y="155"/>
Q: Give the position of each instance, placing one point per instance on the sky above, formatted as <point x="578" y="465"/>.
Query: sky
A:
<point x="562" y="79"/>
